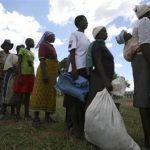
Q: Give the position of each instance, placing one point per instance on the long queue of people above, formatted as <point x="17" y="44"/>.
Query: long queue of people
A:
<point x="18" y="79"/>
<point x="19" y="85"/>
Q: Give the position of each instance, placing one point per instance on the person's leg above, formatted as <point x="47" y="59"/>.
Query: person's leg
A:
<point x="26" y="105"/>
<point x="0" y="98"/>
<point x="36" y="120"/>
<point x="3" y="111"/>
<point x="3" y="108"/>
<point x="48" y="118"/>
<point x="19" y="99"/>
<point x="81" y="118"/>
<point x="47" y="115"/>
<point x="14" y="103"/>
<point x="68" y="118"/>
<point x="67" y="115"/>
<point x="14" y="113"/>
<point x="74" y="117"/>
<point x="36" y="115"/>
<point x="12" y="110"/>
<point x="145" y="118"/>
<point x="18" y="106"/>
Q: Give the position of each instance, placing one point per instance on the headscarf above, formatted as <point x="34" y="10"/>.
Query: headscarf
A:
<point x="142" y="9"/>
<point x="120" y="37"/>
<point x="44" y="36"/>
<point x="96" y="30"/>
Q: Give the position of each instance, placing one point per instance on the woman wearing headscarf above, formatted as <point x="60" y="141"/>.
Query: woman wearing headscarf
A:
<point x="102" y="64"/>
<point x="141" y="70"/>
<point x="6" y="46"/>
<point x="43" y="97"/>
<point x="78" y="46"/>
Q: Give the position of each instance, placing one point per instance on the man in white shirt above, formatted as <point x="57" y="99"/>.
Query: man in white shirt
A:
<point x="78" y="46"/>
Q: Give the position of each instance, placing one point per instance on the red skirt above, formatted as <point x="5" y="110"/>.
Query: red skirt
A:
<point x="27" y="86"/>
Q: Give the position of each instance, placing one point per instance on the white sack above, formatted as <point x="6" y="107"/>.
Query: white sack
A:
<point x="119" y="86"/>
<point x="104" y="126"/>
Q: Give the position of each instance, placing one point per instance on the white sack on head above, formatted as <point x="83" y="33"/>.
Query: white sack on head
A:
<point x="96" y="30"/>
<point x="142" y="9"/>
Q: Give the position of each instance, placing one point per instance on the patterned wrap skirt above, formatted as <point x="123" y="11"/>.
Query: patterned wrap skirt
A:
<point x="43" y="97"/>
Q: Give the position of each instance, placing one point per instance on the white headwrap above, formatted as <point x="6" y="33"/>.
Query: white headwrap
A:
<point x="44" y="36"/>
<point x="120" y="37"/>
<point x="96" y="30"/>
<point x="142" y="9"/>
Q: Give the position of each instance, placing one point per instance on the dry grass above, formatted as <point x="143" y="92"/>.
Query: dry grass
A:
<point x="22" y="136"/>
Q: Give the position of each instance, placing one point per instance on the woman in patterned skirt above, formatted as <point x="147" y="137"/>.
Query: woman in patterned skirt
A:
<point x="43" y="97"/>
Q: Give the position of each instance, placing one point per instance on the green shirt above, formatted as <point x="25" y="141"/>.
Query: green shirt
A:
<point x="89" y="60"/>
<point x="27" y="66"/>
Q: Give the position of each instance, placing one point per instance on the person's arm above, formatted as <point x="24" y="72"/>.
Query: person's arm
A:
<point x="72" y="49"/>
<point x="42" y="55"/>
<point x="20" y="69"/>
<point x="144" y="38"/>
<point x="14" y="61"/>
<point x="73" y="64"/>
<point x="145" y="48"/>
<point x="43" y="71"/>
<point x="97" y="60"/>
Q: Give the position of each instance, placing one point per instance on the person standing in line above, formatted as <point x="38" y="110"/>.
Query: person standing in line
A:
<point x="43" y="97"/>
<point x="102" y="64"/>
<point x="6" y="46"/>
<point x="25" y="79"/>
<point x="10" y="70"/>
<point x="11" y="67"/>
<point x="78" y="46"/>
<point x="141" y="70"/>
<point x="63" y="67"/>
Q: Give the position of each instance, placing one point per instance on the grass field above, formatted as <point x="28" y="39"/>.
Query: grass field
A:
<point x="22" y="136"/>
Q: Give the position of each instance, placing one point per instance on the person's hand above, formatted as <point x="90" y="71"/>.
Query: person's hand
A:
<point x="21" y="81"/>
<point x="45" y="79"/>
<point x="15" y="69"/>
<point x="108" y="86"/>
<point x="30" y="63"/>
<point x="74" y="74"/>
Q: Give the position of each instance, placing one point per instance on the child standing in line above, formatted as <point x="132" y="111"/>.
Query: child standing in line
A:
<point x="11" y="64"/>
<point x="24" y="81"/>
